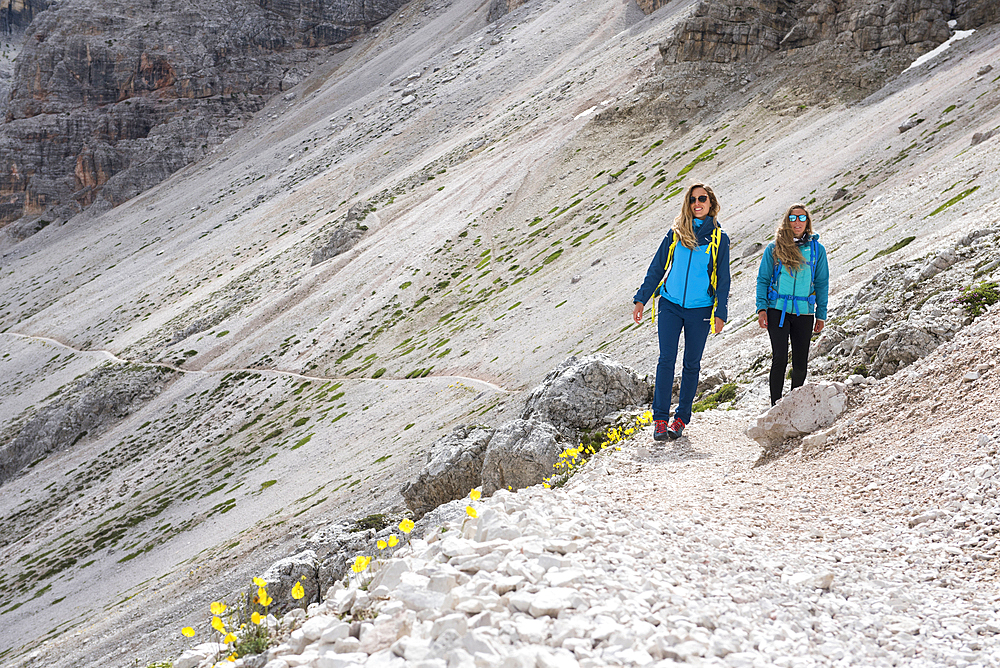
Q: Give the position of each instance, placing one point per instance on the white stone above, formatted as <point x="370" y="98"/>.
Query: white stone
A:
<point x="195" y="655"/>
<point x="457" y="622"/>
<point x="341" y="660"/>
<point x="335" y="632"/>
<point x="346" y="645"/>
<point x="389" y="574"/>
<point x="314" y="627"/>
<point x="553" y="600"/>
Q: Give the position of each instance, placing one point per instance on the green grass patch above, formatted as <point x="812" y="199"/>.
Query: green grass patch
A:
<point x="902" y="243"/>
<point x="954" y="200"/>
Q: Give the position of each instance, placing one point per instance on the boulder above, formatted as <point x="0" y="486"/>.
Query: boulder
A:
<point x="578" y="393"/>
<point x="454" y="466"/>
<point x="520" y="454"/>
<point x="802" y="411"/>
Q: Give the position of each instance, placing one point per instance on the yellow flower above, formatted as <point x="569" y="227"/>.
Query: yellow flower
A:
<point x="260" y="582"/>
<point x="187" y="631"/>
<point x="297" y="591"/>
<point x="406" y="526"/>
<point x="393" y="541"/>
<point x="381" y="544"/>
<point x="218" y="608"/>
<point x="470" y="511"/>
<point x="256" y="618"/>
<point x="232" y="657"/>
<point x="230" y="637"/>
<point x="218" y="625"/>
<point x="265" y="600"/>
<point x="360" y="563"/>
<point x="475" y="494"/>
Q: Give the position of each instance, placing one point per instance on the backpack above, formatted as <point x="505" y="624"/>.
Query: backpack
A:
<point x="772" y="290"/>
<point x="713" y="273"/>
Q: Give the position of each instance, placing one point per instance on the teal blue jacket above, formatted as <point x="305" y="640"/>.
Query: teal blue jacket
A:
<point x="791" y="292"/>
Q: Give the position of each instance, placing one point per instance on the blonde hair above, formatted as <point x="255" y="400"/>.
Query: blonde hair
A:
<point x="683" y="226"/>
<point x="785" y="248"/>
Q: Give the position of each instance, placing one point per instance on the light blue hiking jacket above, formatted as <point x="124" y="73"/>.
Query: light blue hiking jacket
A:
<point x="791" y="292"/>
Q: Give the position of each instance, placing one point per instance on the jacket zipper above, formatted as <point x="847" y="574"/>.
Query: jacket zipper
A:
<point x="687" y="275"/>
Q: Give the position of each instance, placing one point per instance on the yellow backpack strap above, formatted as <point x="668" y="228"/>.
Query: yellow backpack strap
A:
<point x="713" y="253"/>
<point x="666" y="268"/>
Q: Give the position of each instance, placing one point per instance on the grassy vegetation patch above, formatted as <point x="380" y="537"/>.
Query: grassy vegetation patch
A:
<point x="725" y="393"/>
<point x="954" y="200"/>
<point x="902" y="243"/>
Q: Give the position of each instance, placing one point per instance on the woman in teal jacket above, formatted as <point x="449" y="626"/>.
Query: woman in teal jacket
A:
<point x="793" y="286"/>
<point x="695" y="296"/>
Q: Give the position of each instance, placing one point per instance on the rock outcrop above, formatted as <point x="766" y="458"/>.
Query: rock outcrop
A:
<point x="86" y="407"/>
<point x="454" y="466"/>
<point x="580" y="392"/>
<point x="522" y="453"/>
<point x="906" y="310"/>
<point x="110" y="98"/>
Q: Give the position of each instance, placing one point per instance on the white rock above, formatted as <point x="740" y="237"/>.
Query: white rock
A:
<point x="335" y="632"/>
<point x="195" y="655"/>
<point x="341" y="660"/>
<point x="314" y="627"/>
<point x="457" y="622"/>
<point x="553" y="600"/>
<point x="347" y="645"/>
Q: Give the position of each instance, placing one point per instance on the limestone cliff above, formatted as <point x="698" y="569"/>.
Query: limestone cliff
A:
<point x="108" y="98"/>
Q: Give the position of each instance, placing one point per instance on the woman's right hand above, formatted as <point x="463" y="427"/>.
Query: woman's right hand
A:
<point x="762" y="319"/>
<point x="637" y="313"/>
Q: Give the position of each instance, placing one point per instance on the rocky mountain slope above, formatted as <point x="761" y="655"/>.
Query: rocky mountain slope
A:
<point x="439" y="216"/>
<point x="109" y="98"/>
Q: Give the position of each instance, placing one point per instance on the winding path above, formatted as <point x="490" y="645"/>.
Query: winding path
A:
<point x="108" y="355"/>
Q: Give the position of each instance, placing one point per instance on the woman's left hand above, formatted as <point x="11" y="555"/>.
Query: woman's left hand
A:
<point x="719" y="324"/>
<point x="818" y="327"/>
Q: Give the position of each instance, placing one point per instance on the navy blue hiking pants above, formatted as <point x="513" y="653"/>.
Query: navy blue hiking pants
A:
<point x="696" y="325"/>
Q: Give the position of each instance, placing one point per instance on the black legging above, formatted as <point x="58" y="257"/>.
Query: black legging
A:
<point x="799" y="329"/>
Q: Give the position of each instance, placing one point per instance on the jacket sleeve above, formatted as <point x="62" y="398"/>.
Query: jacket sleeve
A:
<point x="821" y="283"/>
<point x="764" y="275"/>
<point x="723" y="280"/>
<point x="655" y="272"/>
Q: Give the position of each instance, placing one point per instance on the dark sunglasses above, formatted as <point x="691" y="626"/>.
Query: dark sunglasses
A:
<point x="792" y="218"/>
<point x="700" y="198"/>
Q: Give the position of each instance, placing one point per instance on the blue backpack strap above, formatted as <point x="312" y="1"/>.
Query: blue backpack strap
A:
<point x="772" y="293"/>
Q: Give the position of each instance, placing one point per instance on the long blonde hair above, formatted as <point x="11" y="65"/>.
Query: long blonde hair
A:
<point x="785" y="248"/>
<point x="683" y="224"/>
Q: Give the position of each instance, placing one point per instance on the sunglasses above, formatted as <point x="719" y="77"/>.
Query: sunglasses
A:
<point x="792" y="218"/>
<point x="700" y="198"/>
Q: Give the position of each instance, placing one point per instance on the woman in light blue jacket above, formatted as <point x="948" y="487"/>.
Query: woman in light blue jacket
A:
<point x="690" y="271"/>
<point x="793" y="286"/>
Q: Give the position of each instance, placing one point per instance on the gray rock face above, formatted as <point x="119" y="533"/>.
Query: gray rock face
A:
<point x="110" y="97"/>
<point x="802" y="411"/>
<point x="345" y="235"/>
<point x="85" y="408"/>
<point x="907" y="309"/>
<point x="282" y="576"/>
<point x="578" y="393"/>
<point x="454" y="467"/>
<point x="520" y="454"/>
